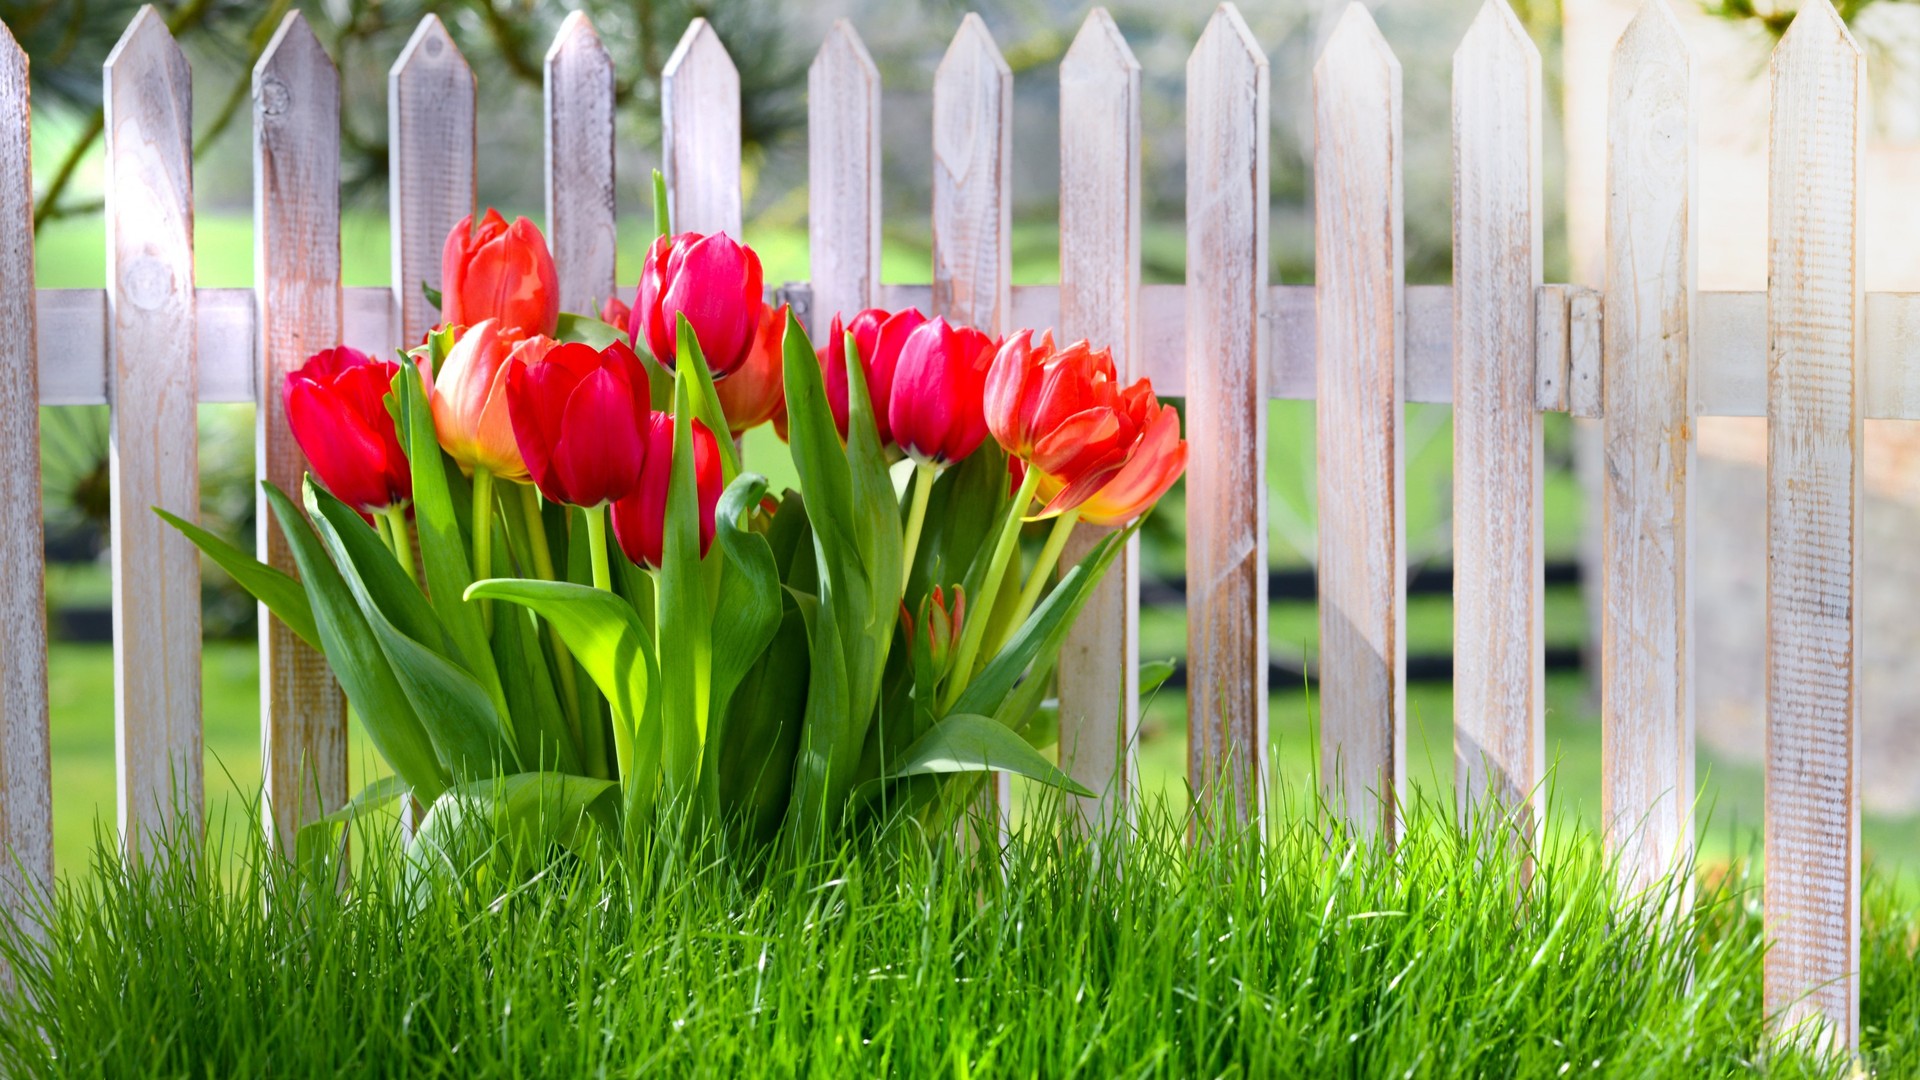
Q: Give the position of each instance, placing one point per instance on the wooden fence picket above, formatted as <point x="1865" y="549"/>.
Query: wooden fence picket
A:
<point x="26" y="784"/>
<point x="296" y="236"/>
<point x="1100" y="301"/>
<point x="1646" y="691"/>
<point x="430" y="124"/>
<point x="152" y="386"/>
<point x="1226" y="361"/>
<point x="579" y="113"/>
<point x="1499" y="582"/>
<point x="973" y="204"/>
<point x="1360" y="391"/>
<point x="700" y="136"/>
<point x="1814" y="501"/>
<point x="843" y="179"/>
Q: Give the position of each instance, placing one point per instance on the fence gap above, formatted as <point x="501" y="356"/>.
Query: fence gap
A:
<point x="1499" y="576"/>
<point x="296" y="238"/>
<point x="579" y="99"/>
<point x="700" y="137"/>
<point x="843" y="180"/>
<point x="1226" y="347"/>
<point x="152" y="387"/>
<point x="1100" y="301"/>
<point x="26" y="784"/>
<point x="1814" y="378"/>
<point x="1360" y="384"/>
<point x="430" y="125"/>
<point x="1646" y="701"/>
<point x="973" y="205"/>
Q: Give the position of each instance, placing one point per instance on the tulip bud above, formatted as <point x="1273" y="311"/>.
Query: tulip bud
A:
<point x="755" y="392"/>
<point x="336" y="409"/>
<point x="615" y="313"/>
<point x="499" y="271"/>
<point x="469" y="398"/>
<point x="576" y="418"/>
<point x="715" y="283"/>
<point x="879" y="335"/>
<point x="934" y="408"/>
<point x="937" y="628"/>
<point x="639" y="519"/>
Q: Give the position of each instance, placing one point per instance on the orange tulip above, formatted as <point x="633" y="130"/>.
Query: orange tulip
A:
<point x="499" y="271"/>
<point x="469" y="398"/>
<point x="1062" y="411"/>
<point x="1155" y="461"/>
<point x="753" y="394"/>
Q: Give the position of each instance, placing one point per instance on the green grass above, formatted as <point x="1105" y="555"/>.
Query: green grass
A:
<point x="1299" y="955"/>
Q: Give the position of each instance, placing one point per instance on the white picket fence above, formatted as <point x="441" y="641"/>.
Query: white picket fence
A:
<point x="1813" y="354"/>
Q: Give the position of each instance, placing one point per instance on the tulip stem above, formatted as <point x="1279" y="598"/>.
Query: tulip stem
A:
<point x="396" y="519"/>
<point x="923" y="477"/>
<point x="974" y="626"/>
<point x="1042" y="573"/>
<point x="543" y="565"/>
<point x="597" y="546"/>
<point x="483" y="536"/>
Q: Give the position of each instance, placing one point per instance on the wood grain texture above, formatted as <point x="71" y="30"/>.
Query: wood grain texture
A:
<point x="430" y="118"/>
<point x="1646" y="657"/>
<point x="580" y="164"/>
<point x="26" y="785"/>
<point x="700" y="139"/>
<point x="1585" y="348"/>
<point x="972" y="181"/>
<point x="1100" y="301"/>
<point x="1551" y="357"/>
<point x="1226" y="383"/>
<point x="1360" y="399"/>
<point x="1499" y="685"/>
<point x="1814" y="501"/>
<point x="843" y="179"/>
<point x="154" y="447"/>
<point x="296" y="244"/>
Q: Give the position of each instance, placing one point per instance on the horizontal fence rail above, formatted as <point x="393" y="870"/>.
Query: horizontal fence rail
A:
<point x="1815" y="355"/>
<point x="1730" y="353"/>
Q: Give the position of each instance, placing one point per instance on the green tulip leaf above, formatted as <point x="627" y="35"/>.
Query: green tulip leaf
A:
<point x="357" y="660"/>
<point x="588" y="330"/>
<point x="520" y="816"/>
<point x="281" y="592"/>
<point x="748" y="611"/>
<point x="966" y="742"/>
<point x="755" y="758"/>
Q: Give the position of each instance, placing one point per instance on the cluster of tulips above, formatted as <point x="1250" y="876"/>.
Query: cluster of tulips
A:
<point x="786" y="664"/>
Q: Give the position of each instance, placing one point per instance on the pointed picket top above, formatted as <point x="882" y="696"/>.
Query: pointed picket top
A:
<point x="12" y="56"/>
<point x="972" y="84"/>
<point x="700" y="141"/>
<point x="145" y="40"/>
<point x="1496" y="37"/>
<point x="1817" y="30"/>
<point x="293" y="59"/>
<point x="1652" y="36"/>
<point x="843" y="177"/>
<point x="1226" y="45"/>
<point x="579" y="92"/>
<point x="430" y="49"/>
<point x="1098" y="50"/>
<point x="1354" y="47"/>
<point x="972" y="172"/>
<point x="576" y="34"/>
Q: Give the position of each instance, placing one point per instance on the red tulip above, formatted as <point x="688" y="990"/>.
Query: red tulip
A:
<point x="934" y="407"/>
<point x="469" y="398"/>
<point x="576" y="417"/>
<point x="1154" y="462"/>
<point x="499" y="271"/>
<point x="758" y="390"/>
<point x="715" y="283"/>
<point x="638" y="519"/>
<point x="336" y="408"/>
<point x="879" y="335"/>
